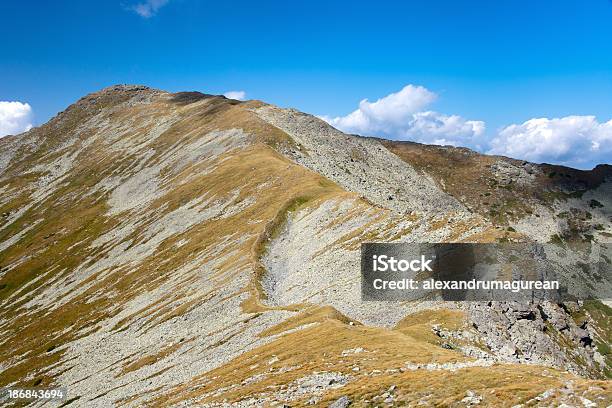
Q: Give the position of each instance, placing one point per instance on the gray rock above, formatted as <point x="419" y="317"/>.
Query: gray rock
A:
<point x="341" y="402"/>
<point x="516" y="332"/>
<point x="471" y="398"/>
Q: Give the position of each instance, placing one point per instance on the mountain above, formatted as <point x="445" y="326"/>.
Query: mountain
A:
<point x="166" y="249"/>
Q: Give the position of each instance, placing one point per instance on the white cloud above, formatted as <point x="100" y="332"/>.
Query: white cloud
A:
<point x="148" y="8"/>
<point x="238" y="95"/>
<point x="402" y="115"/>
<point x="15" y="117"/>
<point x="436" y="128"/>
<point x="576" y="141"/>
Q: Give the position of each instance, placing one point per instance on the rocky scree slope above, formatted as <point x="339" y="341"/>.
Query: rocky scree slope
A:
<point x="556" y="335"/>
<point x="187" y="249"/>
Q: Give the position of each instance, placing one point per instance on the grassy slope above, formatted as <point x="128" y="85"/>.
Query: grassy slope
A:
<point x="323" y="348"/>
<point x="61" y="242"/>
<point x="468" y="176"/>
<point x="32" y="338"/>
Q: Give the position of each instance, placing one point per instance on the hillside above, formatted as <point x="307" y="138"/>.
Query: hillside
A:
<point x="161" y="249"/>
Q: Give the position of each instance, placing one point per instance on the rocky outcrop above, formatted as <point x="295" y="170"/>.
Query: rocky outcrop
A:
<point x="542" y="333"/>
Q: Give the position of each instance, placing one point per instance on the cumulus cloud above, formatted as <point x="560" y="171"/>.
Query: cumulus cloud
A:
<point x="15" y="117"/>
<point x="442" y="129"/>
<point x="238" y="95"/>
<point x="148" y="8"/>
<point x="402" y="115"/>
<point x="576" y="141"/>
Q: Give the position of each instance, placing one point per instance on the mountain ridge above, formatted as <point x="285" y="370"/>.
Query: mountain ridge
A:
<point x="139" y="229"/>
<point x="192" y="96"/>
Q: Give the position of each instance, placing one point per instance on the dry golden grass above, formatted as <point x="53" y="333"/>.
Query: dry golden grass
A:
<point x="418" y="325"/>
<point x="150" y="359"/>
<point x="314" y="348"/>
<point x="312" y="314"/>
<point x="320" y="347"/>
<point x="500" y="386"/>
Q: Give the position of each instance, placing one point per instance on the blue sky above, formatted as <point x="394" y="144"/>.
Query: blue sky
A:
<point x="502" y="63"/>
